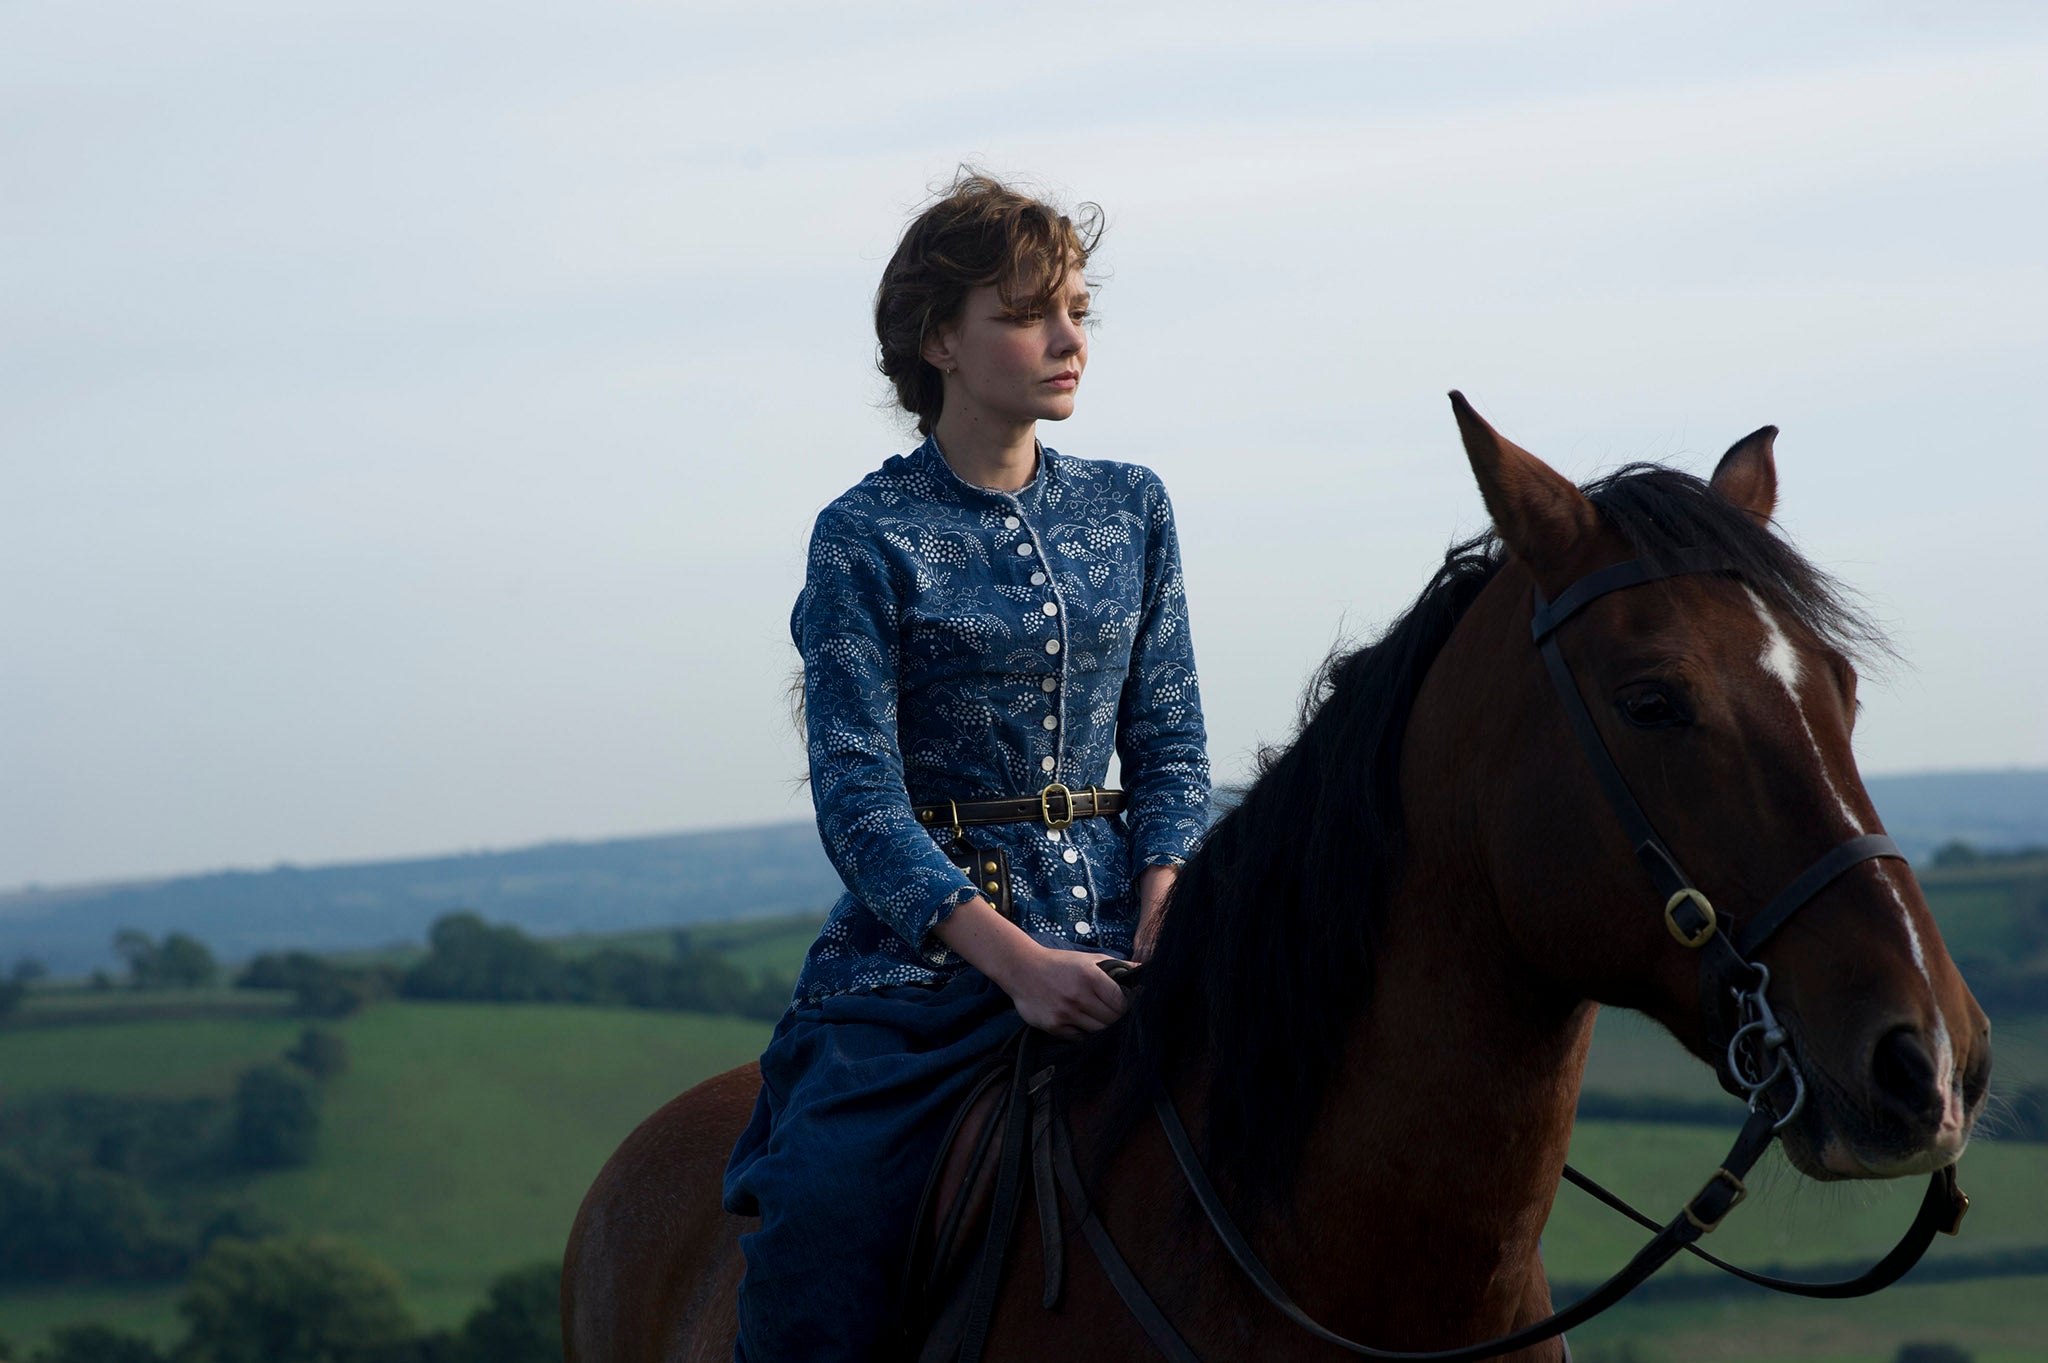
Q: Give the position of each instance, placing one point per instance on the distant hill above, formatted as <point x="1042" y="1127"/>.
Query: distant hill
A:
<point x="555" y="889"/>
<point x="1995" y="811"/>
<point x="558" y="889"/>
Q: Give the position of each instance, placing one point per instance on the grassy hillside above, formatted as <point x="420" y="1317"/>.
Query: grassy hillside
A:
<point x="554" y="889"/>
<point x="2000" y="1320"/>
<point x="458" y="1144"/>
<point x="463" y="1135"/>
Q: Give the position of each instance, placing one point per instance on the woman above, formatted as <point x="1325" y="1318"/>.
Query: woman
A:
<point x="981" y="621"/>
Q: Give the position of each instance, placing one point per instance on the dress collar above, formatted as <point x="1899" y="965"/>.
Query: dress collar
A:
<point x="1029" y="496"/>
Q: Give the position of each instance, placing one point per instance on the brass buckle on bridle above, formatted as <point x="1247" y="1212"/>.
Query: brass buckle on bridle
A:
<point x="1045" y="805"/>
<point x="1723" y="1177"/>
<point x="1691" y="940"/>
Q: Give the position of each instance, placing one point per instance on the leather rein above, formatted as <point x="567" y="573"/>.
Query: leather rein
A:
<point x="1756" y="1061"/>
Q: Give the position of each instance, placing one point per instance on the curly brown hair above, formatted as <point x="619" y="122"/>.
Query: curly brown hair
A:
<point x="979" y="231"/>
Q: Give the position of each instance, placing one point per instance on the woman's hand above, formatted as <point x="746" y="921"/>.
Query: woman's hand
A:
<point x="1064" y="992"/>
<point x="1061" y="992"/>
<point x="1153" y="884"/>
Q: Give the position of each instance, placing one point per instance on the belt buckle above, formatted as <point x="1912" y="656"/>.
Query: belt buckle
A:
<point x="1045" y="805"/>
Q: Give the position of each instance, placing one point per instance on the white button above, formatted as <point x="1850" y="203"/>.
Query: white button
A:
<point x="1052" y="645"/>
<point x="1045" y="764"/>
<point x="1050" y="722"/>
<point x="1050" y="609"/>
<point x="1052" y="835"/>
<point x="1024" y="551"/>
<point x="1080" y="892"/>
<point x="1010" y="522"/>
<point x="1038" y="579"/>
<point x="1070" y="856"/>
<point x="1084" y="927"/>
<point x="1049" y="684"/>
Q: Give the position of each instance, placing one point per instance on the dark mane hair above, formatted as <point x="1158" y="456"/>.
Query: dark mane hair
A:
<point x="1267" y="951"/>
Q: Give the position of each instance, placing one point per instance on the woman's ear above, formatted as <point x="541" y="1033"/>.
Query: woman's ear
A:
<point x="938" y="347"/>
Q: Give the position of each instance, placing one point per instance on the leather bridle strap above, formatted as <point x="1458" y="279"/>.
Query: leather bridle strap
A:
<point x="1725" y="955"/>
<point x="1701" y="1214"/>
<point x="1115" y="1267"/>
<point x="1658" y="862"/>
<point x="1811" y="882"/>
<point x="1633" y="573"/>
<point x="1940" y="1211"/>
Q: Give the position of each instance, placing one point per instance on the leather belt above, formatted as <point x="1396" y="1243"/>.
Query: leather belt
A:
<point x="1056" y="806"/>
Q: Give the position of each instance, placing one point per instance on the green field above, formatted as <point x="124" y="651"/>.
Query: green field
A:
<point x="462" y="1137"/>
<point x="1998" y="1319"/>
<point x="457" y="1145"/>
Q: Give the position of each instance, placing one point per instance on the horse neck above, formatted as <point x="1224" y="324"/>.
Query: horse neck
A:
<point x="1434" y="1163"/>
<point x="1438" y="1151"/>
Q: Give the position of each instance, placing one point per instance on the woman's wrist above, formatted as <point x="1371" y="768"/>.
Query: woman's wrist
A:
<point x="988" y="941"/>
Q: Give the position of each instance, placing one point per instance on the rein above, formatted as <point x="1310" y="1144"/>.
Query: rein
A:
<point x="1756" y="1058"/>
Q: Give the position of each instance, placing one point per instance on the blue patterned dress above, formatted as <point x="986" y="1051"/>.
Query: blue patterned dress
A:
<point x="958" y="642"/>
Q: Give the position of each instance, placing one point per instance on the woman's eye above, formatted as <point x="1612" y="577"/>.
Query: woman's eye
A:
<point x="1652" y="708"/>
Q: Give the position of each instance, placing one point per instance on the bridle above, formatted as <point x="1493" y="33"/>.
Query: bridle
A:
<point x="1755" y="1055"/>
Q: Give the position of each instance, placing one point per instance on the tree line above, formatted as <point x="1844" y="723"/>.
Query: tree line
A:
<point x="470" y="959"/>
<point x="288" y="1300"/>
<point x="114" y="1187"/>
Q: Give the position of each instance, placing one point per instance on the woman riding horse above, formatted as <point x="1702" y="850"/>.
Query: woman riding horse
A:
<point x="1372" y="1001"/>
<point x="982" y="619"/>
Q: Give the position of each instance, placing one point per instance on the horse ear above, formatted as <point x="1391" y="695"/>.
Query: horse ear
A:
<point x="1537" y="511"/>
<point x="1748" y="474"/>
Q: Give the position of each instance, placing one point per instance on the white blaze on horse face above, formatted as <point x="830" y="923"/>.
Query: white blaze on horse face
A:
<point x="1951" y="1133"/>
<point x="1781" y="661"/>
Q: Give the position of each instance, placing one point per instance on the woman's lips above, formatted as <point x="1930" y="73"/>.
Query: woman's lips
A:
<point x="1064" y="380"/>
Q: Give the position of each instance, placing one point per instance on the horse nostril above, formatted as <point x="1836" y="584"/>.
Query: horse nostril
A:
<point x="1904" y="1075"/>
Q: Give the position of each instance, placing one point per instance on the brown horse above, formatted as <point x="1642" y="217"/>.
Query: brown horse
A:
<point x="1374" y="993"/>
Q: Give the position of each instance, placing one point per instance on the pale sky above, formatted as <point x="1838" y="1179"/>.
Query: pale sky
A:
<point x="412" y="417"/>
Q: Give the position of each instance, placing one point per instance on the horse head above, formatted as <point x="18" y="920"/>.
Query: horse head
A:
<point x="1726" y="700"/>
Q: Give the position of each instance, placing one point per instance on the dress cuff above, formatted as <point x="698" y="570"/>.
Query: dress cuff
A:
<point x="931" y="946"/>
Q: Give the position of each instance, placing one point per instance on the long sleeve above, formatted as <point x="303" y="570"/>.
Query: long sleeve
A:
<point x="846" y="626"/>
<point x="1161" y="742"/>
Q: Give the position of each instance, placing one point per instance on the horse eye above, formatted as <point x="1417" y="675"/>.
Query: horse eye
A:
<point x="1652" y="708"/>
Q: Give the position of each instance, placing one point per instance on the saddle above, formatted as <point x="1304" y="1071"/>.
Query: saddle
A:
<point x="1007" y="1129"/>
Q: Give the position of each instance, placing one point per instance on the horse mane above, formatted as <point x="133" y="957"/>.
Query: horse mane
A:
<point x="1266" y="953"/>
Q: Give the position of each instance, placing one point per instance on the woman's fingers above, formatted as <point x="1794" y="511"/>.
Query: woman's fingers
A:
<point x="1072" y="995"/>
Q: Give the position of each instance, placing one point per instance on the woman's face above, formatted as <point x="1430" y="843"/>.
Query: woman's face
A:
<point x="1014" y="367"/>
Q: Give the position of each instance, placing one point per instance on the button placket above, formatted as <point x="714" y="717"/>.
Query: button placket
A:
<point x="1054" y="685"/>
